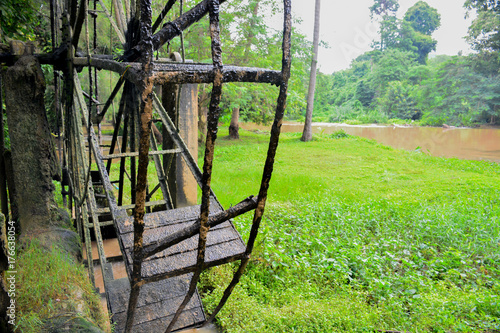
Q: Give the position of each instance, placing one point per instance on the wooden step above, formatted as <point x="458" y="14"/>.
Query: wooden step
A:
<point x="224" y="244"/>
<point x="151" y="153"/>
<point x="157" y="304"/>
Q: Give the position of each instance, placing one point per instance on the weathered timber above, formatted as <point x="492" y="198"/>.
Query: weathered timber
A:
<point x="171" y="29"/>
<point x="156" y="305"/>
<point x="271" y="153"/>
<point x="119" y="33"/>
<point x="119" y="15"/>
<point x="151" y="153"/>
<point x="117" y="214"/>
<point x="201" y="73"/>
<point x="115" y="91"/>
<point x="223" y="242"/>
<point x="178" y="73"/>
<point x="162" y="179"/>
<point x="164" y="12"/>
<point x="77" y="27"/>
<point x="213" y="120"/>
<point x="95" y="101"/>
<point x="145" y="87"/>
<point x="170" y="101"/>
<point x="105" y="210"/>
<point x="116" y="129"/>
<point x="214" y="220"/>
<point x="131" y="71"/>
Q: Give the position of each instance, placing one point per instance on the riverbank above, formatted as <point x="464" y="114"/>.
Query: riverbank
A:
<point x="465" y="143"/>
<point x="359" y="237"/>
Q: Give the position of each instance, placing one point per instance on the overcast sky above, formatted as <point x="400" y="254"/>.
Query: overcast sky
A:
<point x="346" y="27"/>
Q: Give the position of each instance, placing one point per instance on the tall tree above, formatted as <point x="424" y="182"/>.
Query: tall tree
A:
<point x="307" y="133"/>
<point x="420" y="21"/>
<point x="423" y="18"/>
<point x="484" y="32"/>
<point x="386" y="11"/>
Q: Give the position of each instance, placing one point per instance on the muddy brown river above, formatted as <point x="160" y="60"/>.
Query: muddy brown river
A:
<point x="464" y="143"/>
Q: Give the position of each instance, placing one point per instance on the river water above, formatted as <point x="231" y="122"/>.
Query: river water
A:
<point x="464" y="143"/>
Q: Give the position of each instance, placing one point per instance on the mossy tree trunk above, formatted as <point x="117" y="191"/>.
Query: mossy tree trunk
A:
<point x="33" y="152"/>
<point x="234" y="127"/>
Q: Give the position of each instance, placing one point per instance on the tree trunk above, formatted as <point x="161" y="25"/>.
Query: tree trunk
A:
<point x="234" y="127"/>
<point x="33" y="151"/>
<point x="307" y="133"/>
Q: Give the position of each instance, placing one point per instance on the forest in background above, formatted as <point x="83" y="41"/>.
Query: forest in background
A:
<point x="396" y="81"/>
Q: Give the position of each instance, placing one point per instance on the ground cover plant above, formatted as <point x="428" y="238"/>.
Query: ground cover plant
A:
<point x="359" y="237"/>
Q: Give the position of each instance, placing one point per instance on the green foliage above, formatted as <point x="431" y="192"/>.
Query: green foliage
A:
<point x="398" y="101"/>
<point x="17" y="18"/>
<point x="484" y="32"/>
<point x="65" y="287"/>
<point x="332" y="257"/>
<point x="423" y="18"/>
<point x="384" y="7"/>
<point x="398" y="81"/>
<point x="393" y="65"/>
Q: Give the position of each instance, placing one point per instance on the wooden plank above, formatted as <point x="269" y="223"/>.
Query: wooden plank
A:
<point x="157" y="219"/>
<point x="156" y="305"/>
<point x="151" y="153"/>
<point x="105" y="210"/>
<point x="182" y="263"/>
<point x="220" y="234"/>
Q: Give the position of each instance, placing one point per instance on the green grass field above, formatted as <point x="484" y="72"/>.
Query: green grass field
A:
<point x="359" y="237"/>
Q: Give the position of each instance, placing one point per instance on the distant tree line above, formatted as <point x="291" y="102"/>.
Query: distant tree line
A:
<point x="397" y="80"/>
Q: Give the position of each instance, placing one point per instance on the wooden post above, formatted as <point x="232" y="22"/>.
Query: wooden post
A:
<point x="181" y="104"/>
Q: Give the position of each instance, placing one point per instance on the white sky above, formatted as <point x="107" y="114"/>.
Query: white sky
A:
<point x="346" y="27"/>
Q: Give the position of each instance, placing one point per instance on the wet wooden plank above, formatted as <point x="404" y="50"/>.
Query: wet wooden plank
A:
<point x="224" y="244"/>
<point x="157" y="304"/>
<point x="220" y="234"/>
<point x="173" y="216"/>
<point x="181" y="263"/>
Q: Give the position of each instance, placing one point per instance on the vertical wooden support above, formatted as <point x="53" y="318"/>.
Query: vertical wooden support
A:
<point x="271" y="154"/>
<point x="132" y="138"/>
<point x="213" y="120"/>
<point x="146" y="114"/>
<point x="162" y="179"/>
<point x="170" y="94"/>
<point x="122" y="159"/>
<point x="115" y="132"/>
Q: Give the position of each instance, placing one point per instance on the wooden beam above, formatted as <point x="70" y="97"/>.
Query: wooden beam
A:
<point x="201" y="73"/>
<point x="119" y="33"/>
<point x="244" y="206"/>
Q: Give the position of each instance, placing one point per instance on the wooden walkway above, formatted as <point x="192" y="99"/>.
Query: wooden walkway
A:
<point x="159" y="300"/>
<point x="166" y="274"/>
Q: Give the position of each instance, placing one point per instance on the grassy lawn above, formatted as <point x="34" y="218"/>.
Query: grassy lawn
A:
<point x="358" y="237"/>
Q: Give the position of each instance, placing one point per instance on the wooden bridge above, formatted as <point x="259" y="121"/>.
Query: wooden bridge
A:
<point x="164" y="247"/>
